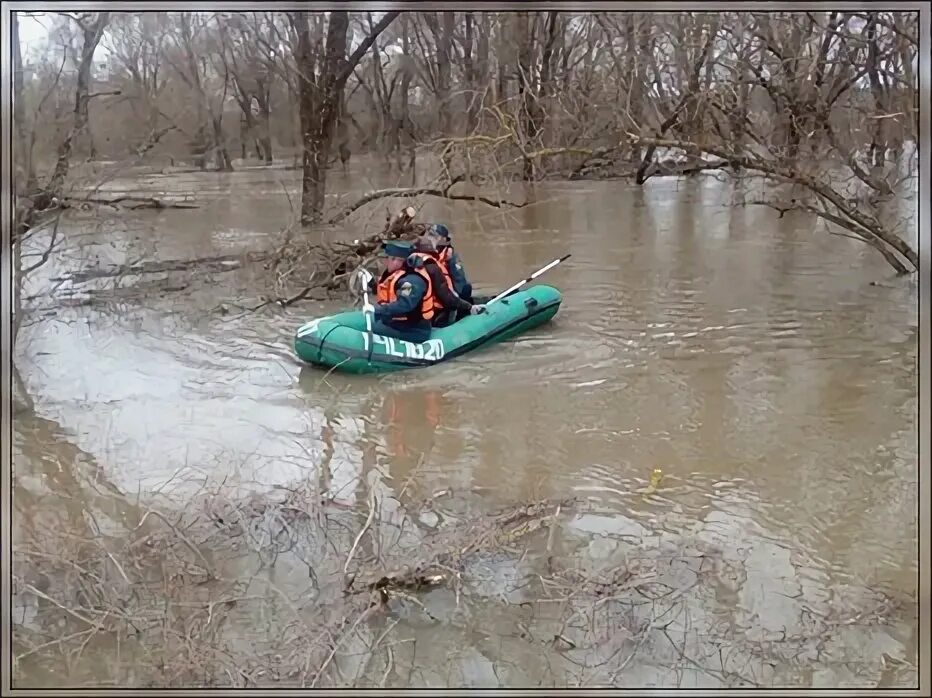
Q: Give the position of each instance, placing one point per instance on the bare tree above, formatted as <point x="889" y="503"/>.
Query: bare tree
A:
<point x="191" y="60"/>
<point x="321" y="92"/>
<point x="530" y="95"/>
<point x="92" y="29"/>
<point x="137" y="42"/>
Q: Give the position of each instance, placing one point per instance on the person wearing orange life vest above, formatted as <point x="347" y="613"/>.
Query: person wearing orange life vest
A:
<point x="447" y="305"/>
<point x="439" y="234"/>
<point x="405" y="295"/>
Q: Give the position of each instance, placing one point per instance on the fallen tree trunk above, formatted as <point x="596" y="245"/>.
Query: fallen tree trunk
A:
<point x="132" y="202"/>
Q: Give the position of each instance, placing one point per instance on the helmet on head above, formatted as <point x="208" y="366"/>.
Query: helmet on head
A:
<point x="398" y="248"/>
<point x="440" y="230"/>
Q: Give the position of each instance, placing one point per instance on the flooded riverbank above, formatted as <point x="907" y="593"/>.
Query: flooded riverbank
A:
<point x="749" y="358"/>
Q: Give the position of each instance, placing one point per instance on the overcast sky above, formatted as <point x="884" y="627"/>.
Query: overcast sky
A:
<point x="32" y="33"/>
<point x="33" y="36"/>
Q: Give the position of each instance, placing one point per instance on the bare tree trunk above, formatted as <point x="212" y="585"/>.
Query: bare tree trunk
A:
<point x="481" y="86"/>
<point x="910" y="99"/>
<point x="444" y="60"/>
<point x="25" y="183"/>
<point x="404" y="117"/>
<point x="247" y="122"/>
<point x="381" y="96"/>
<point x="265" y="135"/>
<point x="795" y="124"/>
<point x="342" y="134"/>
<point x="504" y="55"/>
<point x="92" y="35"/>
<point x="682" y="104"/>
<point x="878" y="147"/>
<point x="25" y="174"/>
<point x="469" y="72"/>
<point x="638" y="44"/>
<point x="738" y="116"/>
<point x="202" y="140"/>
<point x="528" y="126"/>
<point x="319" y="101"/>
<point x="22" y="400"/>
<point x="475" y="65"/>
<point x="222" y="154"/>
<point x="313" y="179"/>
<point x="18" y="280"/>
<point x="545" y="89"/>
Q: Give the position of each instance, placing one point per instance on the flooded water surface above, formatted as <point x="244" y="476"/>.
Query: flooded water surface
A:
<point x="749" y="359"/>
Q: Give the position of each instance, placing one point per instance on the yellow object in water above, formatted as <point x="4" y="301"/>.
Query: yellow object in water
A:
<point x="655" y="477"/>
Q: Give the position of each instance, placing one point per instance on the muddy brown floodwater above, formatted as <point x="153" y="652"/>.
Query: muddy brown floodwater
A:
<point x="747" y="357"/>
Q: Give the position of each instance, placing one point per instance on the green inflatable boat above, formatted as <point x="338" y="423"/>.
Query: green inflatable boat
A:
<point x="341" y="342"/>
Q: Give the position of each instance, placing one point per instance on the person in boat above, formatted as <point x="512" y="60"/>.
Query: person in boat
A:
<point x="448" y="306"/>
<point x="405" y="295"/>
<point x="440" y="235"/>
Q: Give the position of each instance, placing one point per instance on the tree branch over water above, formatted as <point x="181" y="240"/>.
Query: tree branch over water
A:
<point x="844" y="212"/>
<point x="410" y="192"/>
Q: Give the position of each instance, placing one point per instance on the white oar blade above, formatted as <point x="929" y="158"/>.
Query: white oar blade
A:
<point x="528" y="279"/>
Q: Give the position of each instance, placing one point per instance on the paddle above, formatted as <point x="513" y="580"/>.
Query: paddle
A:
<point x="369" y="310"/>
<point x="529" y="279"/>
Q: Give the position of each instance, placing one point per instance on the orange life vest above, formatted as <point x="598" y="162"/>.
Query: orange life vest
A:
<point x="425" y="257"/>
<point x="386" y="292"/>
<point x="445" y="256"/>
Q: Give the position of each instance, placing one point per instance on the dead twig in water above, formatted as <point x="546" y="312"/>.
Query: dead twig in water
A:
<point x="188" y="543"/>
<point x="362" y="616"/>
<point x="349" y="558"/>
<point x="389" y="665"/>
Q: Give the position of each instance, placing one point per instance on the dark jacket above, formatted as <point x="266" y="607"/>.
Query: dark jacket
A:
<point x="448" y="299"/>
<point x="460" y="283"/>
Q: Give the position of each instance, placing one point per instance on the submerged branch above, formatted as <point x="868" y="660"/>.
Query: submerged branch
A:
<point x="139" y="201"/>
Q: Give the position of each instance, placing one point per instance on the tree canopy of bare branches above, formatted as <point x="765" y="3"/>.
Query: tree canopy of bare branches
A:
<point x="826" y="97"/>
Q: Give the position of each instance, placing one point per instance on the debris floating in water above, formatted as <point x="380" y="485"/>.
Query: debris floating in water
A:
<point x="655" y="477"/>
<point x="589" y="384"/>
